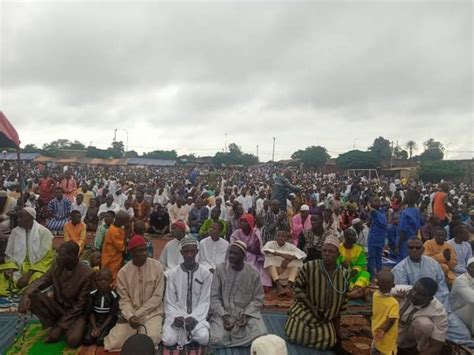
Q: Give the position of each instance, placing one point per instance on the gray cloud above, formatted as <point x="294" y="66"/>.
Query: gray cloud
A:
<point x="180" y="75"/>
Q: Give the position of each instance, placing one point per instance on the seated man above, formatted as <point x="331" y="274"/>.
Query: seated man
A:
<point x="416" y="266"/>
<point x="159" y="221"/>
<point x="71" y="281"/>
<point x="443" y="253"/>
<point x="80" y="206"/>
<point x="206" y="226"/>
<point x="236" y="299"/>
<point x="140" y="286"/>
<point x="170" y="256"/>
<point x="75" y="230"/>
<point x="188" y="296"/>
<point x="91" y="219"/>
<point x="462" y="296"/>
<point x="29" y="253"/>
<point x="213" y="249"/>
<point x="423" y="319"/>
<point x="321" y="296"/>
<point x="7" y="206"/>
<point x="463" y="249"/>
<point x="352" y="256"/>
<point x="59" y="207"/>
<point x="283" y="261"/>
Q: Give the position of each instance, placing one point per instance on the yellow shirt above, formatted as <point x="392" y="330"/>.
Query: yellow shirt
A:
<point x="384" y="307"/>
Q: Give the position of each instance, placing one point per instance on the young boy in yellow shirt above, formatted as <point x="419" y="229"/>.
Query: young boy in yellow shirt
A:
<point x="385" y="315"/>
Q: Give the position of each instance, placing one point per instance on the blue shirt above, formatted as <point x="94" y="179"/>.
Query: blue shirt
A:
<point x="378" y="228"/>
<point x="410" y="222"/>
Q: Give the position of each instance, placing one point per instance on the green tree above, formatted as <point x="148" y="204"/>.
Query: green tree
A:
<point x="131" y="154"/>
<point x="434" y="151"/>
<point x="356" y="159"/>
<point x="235" y="156"/>
<point x="31" y="148"/>
<point x="94" y="152"/>
<point x="381" y="149"/>
<point x="312" y="157"/>
<point x="161" y="154"/>
<point x="442" y="169"/>
<point x="400" y="153"/>
<point x="411" y="146"/>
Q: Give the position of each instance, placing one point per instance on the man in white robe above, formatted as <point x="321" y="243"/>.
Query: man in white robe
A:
<point x="140" y="284"/>
<point x="213" y="249"/>
<point x="283" y="261"/>
<point x="171" y="255"/>
<point x="188" y="296"/>
<point x="462" y="296"/>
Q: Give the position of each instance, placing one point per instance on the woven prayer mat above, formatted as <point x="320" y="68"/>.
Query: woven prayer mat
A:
<point x="275" y="321"/>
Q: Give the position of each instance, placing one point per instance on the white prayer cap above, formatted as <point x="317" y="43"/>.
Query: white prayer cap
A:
<point x="470" y="261"/>
<point x="189" y="240"/>
<point x="304" y="208"/>
<point x="31" y="211"/>
<point x="269" y="344"/>
<point x="355" y="221"/>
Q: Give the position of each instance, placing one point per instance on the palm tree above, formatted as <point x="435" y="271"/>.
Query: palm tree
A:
<point x="411" y="146"/>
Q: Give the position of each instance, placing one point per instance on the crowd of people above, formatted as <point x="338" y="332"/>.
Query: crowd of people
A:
<point x="237" y="233"/>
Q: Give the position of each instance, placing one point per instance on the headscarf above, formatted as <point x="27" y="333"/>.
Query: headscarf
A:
<point x="470" y="261"/>
<point x="31" y="211"/>
<point x="249" y="219"/>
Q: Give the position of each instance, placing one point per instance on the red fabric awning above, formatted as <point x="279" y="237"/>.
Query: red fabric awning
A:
<point x="8" y="134"/>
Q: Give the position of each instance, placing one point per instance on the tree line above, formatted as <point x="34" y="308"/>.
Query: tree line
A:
<point x="381" y="152"/>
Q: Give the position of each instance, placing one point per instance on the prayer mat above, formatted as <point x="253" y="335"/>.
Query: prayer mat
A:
<point x="8" y="330"/>
<point x="9" y="304"/>
<point x="275" y="322"/>
<point x="273" y="300"/>
<point x="359" y="306"/>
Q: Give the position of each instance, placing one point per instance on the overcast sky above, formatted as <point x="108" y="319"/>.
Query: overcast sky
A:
<point x="181" y="75"/>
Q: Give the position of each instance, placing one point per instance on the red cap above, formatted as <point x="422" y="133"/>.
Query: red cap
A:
<point x="136" y="241"/>
<point x="179" y="224"/>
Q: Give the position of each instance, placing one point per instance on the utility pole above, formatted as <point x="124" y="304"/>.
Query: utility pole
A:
<point x="257" y="151"/>
<point x="126" y="145"/>
<point x="225" y="142"/>
<point x="273" y="152"/>
<point x="115" y="135"/>
<point x="391" y="154"/>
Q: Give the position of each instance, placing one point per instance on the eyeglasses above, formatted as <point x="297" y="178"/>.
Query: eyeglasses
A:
<point x="413" y="247"/>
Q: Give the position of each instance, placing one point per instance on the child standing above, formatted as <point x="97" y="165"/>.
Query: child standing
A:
<point x="102" y="309"/>
<point x="385" y="315"/>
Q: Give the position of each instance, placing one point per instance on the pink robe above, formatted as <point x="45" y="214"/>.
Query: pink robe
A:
<point x="255" y="256"/>
<point x="298" y="227"/>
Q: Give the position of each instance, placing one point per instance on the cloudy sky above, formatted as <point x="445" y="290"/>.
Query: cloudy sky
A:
<point x="182" y="75"/>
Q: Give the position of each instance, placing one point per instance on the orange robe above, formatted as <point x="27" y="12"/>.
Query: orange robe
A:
<point x="112" y="250"/>
<point x="435" y="250"/>
<point x="76" y="233"/>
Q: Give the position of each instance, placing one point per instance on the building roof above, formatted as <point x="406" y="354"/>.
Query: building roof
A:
<point x="150" y="162"/>
<point x="23" y="156"/>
